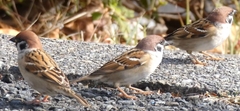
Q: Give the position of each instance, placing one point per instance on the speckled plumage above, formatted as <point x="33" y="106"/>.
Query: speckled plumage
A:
<point x="204" y="34"/>
<point x="39" y="69"/>
<point x="131" y="66"/>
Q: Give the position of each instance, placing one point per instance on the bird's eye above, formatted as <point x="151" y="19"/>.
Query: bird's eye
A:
<point x="162" y="42"/>
<point x="232" y="13"/>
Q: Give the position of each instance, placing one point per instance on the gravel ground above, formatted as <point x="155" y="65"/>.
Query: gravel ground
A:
<point x="178" y="84"/>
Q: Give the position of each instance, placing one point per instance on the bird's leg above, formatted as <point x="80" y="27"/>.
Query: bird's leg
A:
<point x="140" y="91"/>
<point x="212" y="57"/>
<point x="35" y="101"/>
<point x="45" y="99"/>
<point x="124" y="94"/>
<point x="194" y="59"/>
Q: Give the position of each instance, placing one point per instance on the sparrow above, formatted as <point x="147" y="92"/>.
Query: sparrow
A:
<point x="203" y="34"/>
<point x="39" y="70"/>
<point x="131" y="66"/>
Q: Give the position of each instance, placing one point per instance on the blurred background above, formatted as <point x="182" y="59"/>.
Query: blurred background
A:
<point x="111" y="21"/>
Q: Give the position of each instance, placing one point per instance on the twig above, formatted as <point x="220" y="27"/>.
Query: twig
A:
<point x="72" y="34"/>
<point x="180" y="19"/>
<point x="29" y="10"/>
<point x="187" y="12"/>
<point x="33" y="22"/>
<point x="18" y="20"/>
<point x="94" y="30"/>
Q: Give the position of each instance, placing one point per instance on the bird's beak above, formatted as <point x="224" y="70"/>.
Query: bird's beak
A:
<point x="165" y="43"/>
<point x="13" y="39"/>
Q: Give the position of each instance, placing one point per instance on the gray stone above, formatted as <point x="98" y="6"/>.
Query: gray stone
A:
<point x="180" y="84"/>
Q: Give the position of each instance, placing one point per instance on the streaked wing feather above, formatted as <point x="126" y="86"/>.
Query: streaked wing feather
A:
<point x="130" y="59"/>
<point x="41" y="64"/>
<point x="197" y="29"/>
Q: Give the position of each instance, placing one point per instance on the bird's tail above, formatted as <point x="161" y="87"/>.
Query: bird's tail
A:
<point x="79" y="79"/>
<point x="79" y="98"/>
<point x="88" y="77"/>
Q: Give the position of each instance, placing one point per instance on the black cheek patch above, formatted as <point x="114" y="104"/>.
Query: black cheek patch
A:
<point x="159" y="49"/>
<point x="230" y="21"/>
<point x="23" y="46"/>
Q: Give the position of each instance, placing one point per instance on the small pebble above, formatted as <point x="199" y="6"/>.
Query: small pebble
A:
<point x="172" y="103"/>
<point x="9" y="78"/>
<point x="125" y="102"/>
<point x="16" y="103"/>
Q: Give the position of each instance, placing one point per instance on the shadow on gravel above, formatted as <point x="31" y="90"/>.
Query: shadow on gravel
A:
<point x="10" y="75"/>
<point x="153" y="86"/>
<point x="14" y="70"/>
<point x="179" y="90"/>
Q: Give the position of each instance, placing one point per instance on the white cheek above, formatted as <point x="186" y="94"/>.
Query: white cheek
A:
<point x="223" y="32"/>
<point x="156" y="59"/>
<point x="19" y="46"/>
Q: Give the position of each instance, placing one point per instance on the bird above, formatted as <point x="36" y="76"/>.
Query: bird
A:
<point x="131" y="66"/>
<point x="39" y="70"/>
<point x="203" y="34"/>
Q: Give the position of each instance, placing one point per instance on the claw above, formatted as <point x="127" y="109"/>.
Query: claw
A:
<point x="211" y="57"/>
<point x="45" y="99"/>
<point x="125" y="95"/>
<point x="195" y="60"/>
<point x="37" y="100"/>
<point x="139" y="91"/>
